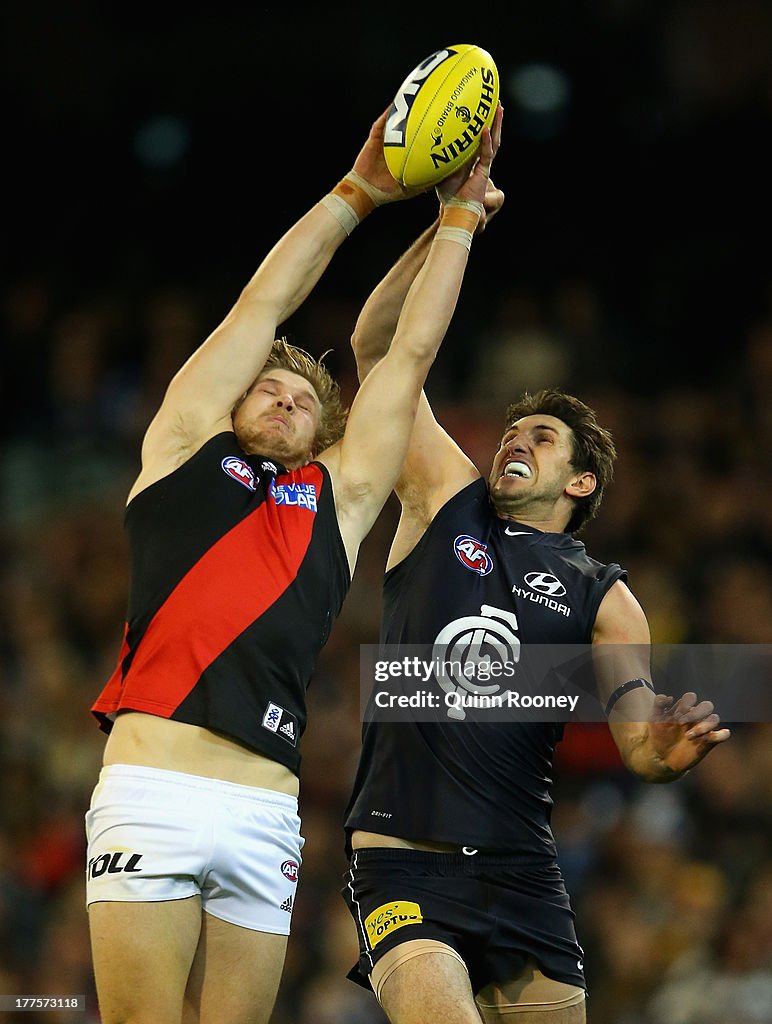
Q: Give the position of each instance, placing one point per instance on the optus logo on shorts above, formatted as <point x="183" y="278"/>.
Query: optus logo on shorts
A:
<point x="388" y="918"/>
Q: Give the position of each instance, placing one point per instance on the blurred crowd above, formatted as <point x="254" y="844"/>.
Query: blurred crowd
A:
<point x="634" y="272"/>
<point x="672" y="885"/>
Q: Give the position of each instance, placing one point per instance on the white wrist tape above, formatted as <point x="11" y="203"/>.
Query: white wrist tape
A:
<point x="344" y="214"/>
<point x="460" y="235"/>
<point x="463" y="204"/>
<point x="459" y="221"/>
<point x="378" y="196"/>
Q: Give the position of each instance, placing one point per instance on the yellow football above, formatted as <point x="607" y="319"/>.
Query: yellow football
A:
<point x="436" y="120"/>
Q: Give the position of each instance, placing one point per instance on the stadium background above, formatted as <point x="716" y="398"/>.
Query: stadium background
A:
<point x="152" y="158"/>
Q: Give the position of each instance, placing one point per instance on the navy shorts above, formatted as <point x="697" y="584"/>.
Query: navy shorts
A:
<point x="492" y="909"/>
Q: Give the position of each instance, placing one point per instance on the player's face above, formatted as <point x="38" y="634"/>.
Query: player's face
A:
<point x="279" y="418"/>
<point x="532" y="467"/>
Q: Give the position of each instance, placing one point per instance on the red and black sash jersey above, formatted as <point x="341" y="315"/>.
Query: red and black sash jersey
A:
<point x="482" y="783"/>
<point x="238" y="571"/>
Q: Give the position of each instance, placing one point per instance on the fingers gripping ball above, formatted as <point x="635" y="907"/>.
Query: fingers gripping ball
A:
<point x="436" y="120"/>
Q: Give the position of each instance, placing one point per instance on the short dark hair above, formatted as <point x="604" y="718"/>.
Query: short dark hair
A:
<point x="593" y="446"/>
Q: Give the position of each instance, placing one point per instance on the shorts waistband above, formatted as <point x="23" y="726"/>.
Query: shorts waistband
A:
<point x="458" y="863"/>
<point x="200" y="784"/>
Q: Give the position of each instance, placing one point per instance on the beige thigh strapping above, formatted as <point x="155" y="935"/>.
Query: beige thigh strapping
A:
<point x="400" y="954"/>
<point x="530" y="990"/>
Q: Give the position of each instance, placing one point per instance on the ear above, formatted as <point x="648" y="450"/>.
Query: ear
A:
<point x="581" y="486"/>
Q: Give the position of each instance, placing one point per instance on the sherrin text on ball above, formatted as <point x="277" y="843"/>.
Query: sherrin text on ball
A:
<point x="436" y="121"/>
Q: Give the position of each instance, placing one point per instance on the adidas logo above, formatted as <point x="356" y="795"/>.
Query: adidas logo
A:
<point x="287" y="905"/>
<point x="282" y="722"/>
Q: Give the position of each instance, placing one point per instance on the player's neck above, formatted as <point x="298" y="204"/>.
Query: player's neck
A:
<point x="536" y="518"/>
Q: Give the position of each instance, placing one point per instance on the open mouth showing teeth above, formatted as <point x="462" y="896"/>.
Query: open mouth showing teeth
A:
<point x="518" y="469"/>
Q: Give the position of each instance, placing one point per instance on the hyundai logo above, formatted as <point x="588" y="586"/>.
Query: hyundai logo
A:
<point x="545" y="583"/>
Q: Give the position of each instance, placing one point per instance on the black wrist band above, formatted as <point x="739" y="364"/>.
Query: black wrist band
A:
<point x="631" y="684"/>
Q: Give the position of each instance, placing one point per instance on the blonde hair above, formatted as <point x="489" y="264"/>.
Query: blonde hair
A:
<point x="332" y="421"/>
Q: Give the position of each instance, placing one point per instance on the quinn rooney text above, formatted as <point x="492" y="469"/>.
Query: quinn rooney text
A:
<point x="510" y="699"/>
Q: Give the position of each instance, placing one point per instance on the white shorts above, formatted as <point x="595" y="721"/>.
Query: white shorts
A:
<point x="158" y="835"/>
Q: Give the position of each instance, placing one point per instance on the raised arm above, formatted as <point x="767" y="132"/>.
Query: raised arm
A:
<point x="199" y="399"/>
<point x="435" y="467"/>
<point x="659" y="738"/>
<point x="377" y="321"/>
<point x="365" y="464"/>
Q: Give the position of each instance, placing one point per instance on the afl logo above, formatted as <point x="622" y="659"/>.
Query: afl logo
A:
<point x="290" y="870"/>
<point x="239" y="470"/>
<point x="545" y="583"/>
<point x="472" y="554"/>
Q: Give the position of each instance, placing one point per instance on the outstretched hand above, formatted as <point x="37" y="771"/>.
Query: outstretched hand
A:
<point x="493" y="200"/>
<point x="682" y="732"/>
<point x="466" y="182"/>
<point x="371" y="165"/>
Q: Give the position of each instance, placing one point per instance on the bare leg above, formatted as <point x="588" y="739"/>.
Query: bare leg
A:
<point x="235" y="974"/>
<point x="142" y="954"/>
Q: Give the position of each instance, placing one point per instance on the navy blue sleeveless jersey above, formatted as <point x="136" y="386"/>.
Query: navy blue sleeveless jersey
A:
<point x="484" y="784"/>
<point x="238" y="571"/>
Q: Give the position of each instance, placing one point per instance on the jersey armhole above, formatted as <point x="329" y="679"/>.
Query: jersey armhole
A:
<point x="611" y="574"/>
<point x="327" y="482"/>
<point x="460" y="497"/>
<point x="138" y="500"/>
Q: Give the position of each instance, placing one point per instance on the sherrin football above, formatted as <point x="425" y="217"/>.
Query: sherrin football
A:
<point x="436" y="120"/>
